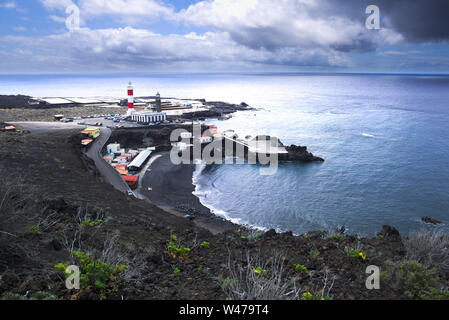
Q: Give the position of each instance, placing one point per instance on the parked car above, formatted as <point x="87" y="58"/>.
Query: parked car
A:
<point x="129" y="193"/>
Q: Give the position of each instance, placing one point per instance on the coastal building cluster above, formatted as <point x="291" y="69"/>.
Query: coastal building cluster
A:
<point x="127" y="163"/>
<point x="213" y="135"/>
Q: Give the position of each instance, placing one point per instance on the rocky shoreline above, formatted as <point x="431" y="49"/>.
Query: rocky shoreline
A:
<point x="170" y="186"/>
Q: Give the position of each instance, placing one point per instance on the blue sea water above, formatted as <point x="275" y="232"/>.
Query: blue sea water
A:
<point x="385" y="139"/>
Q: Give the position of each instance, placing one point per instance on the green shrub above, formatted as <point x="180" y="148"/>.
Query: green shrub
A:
<point x="300" y="268"/>
<point x="414" y="280"/>
<point x="175" y="249"/>
<point x="356" y="253"/>
<point x="90" y="223"/>
<point x="259" y="270"/>
<point x="11" y="296"/>
<point x="43" y="295"/>
<point x="93" y="272"/>
<point x="205" y="244"/>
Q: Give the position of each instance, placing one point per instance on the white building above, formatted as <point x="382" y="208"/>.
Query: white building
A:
<point x="113" y="148"/>
<point x="137" y="163"/>
<point x="149" y="117"/>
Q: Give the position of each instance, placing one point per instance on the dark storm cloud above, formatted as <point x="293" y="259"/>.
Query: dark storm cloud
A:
<point x="417" y="20"/>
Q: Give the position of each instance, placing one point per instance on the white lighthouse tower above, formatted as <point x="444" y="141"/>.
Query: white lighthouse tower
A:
<point x="130" y="99"/>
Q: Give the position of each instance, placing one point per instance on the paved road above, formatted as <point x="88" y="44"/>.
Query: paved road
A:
<point x="37" y="127"/>
<point x="106" y="171"/>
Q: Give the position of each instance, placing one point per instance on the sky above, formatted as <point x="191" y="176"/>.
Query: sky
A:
<point x="155" y="36"/>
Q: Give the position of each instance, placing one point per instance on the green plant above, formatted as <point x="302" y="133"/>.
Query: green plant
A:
<point x="414" y="280"/>
<point x="205" y="244"/>
<point x="93" y="272"/>
<point x="254" y="236"/>
<point x="11" y="296"/>
<point x="309" y="296"/>
<point x="176" y="271"/>
<point x="35" y="229"/>
<point x="300" y="268"/>
<point x="43" y="295"/>
<point x="356" y="253"/>
<point x="90" y="223"/>
<point x="61" y="267"/>
<point x="200" y="268"/>
<point x="175" y="249"/>
<point x="259" y="270"/>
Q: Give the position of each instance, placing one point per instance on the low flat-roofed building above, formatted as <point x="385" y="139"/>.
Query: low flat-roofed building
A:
<point x="137" y="163"/>
<point x="149" y="117"/>
<point x="113" y="148"/>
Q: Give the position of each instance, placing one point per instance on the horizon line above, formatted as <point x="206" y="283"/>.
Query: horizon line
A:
<point x="224" y="73"/>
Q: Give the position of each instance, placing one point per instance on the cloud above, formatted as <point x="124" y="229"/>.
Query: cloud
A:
<point x="56" y="4"/>
<point x="249" y="34"/>
<point x="274" y="24"/>
<point x="129" y="11"/>
<point x="20" y="29"/>
<point x="8" y="5"/>
<point x="142" y="50"/>
<point x="416" y="21"/>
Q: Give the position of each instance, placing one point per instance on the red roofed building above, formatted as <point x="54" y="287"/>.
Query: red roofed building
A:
<point x="131" y="181"/>
<point x="130" y="178"/>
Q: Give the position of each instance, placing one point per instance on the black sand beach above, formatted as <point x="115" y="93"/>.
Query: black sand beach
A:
<point x="172" y="190"/>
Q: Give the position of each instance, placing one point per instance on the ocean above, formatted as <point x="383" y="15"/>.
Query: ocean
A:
<point x="385" y="139"/>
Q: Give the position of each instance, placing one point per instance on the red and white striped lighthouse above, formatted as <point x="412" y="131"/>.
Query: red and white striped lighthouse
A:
<point x="130" y="98"/>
